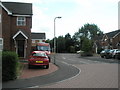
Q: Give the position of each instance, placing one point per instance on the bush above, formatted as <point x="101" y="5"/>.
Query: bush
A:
<point x="86" y="54"/>
<point x="72" y="49"/>
<point x="9" y="65"/>
<point x="86" y="45"/>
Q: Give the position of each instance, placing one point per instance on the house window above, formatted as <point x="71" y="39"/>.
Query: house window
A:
<point x="21" y="21"/>
<point x="1" y="44"/>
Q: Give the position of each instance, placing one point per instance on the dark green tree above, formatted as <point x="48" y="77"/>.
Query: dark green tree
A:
<point x="60" y="44"/>
<point x="68" y="42"/>
<point x="86" y="45"/>
<point x="88" y="31"/>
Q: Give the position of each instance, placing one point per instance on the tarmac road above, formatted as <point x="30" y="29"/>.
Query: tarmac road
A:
<point x="65" y="71"/>
<point x="74" y="72"/>
<point x="96" y="72"/>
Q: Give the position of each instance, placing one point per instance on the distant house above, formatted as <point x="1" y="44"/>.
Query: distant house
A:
<point x="97" y="44"/>
<point x="37" y="38"/>
<point x="15" y="26"/>
<point x="111" y="40"/>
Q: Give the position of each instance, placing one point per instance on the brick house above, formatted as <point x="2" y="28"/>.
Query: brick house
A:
<point x="37" y="38"/>
<point x="111" y="40"/>
<point x="15" y="25"/>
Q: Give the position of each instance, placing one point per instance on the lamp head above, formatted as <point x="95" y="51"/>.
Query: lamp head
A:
<point x="59" y="17"/>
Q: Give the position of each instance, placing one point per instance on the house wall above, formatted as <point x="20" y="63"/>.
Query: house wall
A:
<point x="6" y="30"/>
<point x="10" y="28"/>
<point x="26" y="29"/>
<point x="110" y="42"/>
<point x="116" y="40"/>
<point x="0" y="22"/>
<point x="105" y="42"/>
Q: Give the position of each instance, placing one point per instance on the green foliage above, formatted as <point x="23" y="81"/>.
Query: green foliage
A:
<point x="88" y="31"/>
<point x="86" y="45"/>
<point x="81" y="40"/>
<point x="60" y="44"/>
<point x="72" y="49"/>
<point x="9" y="65"/>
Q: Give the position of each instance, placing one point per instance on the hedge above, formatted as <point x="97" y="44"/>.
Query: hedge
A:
<point x="9" y="65"/>
<point x="86" y="54"/>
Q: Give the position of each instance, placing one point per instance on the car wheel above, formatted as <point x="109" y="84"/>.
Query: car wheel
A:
<point x="49" y="59"/>
<point x="107" y="57"/>
<point x="115" y="57"/>
<point x="47" y="66"/>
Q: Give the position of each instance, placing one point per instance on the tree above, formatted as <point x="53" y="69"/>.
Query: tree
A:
<point x="88" y="31"/>
<point x="60" y="44"/>
<point x="86" y="45"/>
<point x="68" y="42"/>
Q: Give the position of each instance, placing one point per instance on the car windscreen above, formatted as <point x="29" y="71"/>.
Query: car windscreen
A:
<point x="39" y="54"/>
<point x="43" y="48"/>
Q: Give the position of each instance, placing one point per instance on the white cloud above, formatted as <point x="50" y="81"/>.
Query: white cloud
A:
<point x="100" y="12"/>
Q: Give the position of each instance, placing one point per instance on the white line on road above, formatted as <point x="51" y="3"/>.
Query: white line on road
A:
<point x="83" y="62"/>
<point x="65" y="63"/>
<point x="63" y="57"/>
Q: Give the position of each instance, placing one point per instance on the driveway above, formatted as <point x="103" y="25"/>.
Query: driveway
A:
<point x="36" y="71"/>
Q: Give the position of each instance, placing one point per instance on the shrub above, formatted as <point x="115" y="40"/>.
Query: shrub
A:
<point x="86" y="45"/>
<point x="9" y="65"/>
<point x="86" y="54"/>
<point x="72" y="49"/>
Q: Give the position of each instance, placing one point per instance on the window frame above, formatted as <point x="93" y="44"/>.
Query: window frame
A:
<point x="22" y="22"/>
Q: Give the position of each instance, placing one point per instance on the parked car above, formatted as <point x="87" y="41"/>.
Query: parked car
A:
<point x="38" y="58"/>
<point x="105" y="53"/>
<point x="80" y="51"/>
<point x="114" y="53"/>
<point x="117" y="55"/>
<point x="111" y="53"/>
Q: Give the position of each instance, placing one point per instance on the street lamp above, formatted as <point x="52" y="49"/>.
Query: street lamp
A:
<point x="54" y="38"/>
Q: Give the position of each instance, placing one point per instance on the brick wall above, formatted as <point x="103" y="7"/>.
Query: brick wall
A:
<point x="116" y="40"/>
<point x="10" y="29"/>
<point x="6" y="30"/>
<point x="0" y="22"/>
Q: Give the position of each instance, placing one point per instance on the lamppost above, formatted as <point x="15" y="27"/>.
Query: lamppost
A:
<point x="54" y="38"/>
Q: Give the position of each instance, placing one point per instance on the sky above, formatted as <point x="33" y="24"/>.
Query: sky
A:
<point x="74" y="13"/>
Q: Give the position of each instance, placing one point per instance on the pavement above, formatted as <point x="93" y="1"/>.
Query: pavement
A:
<point x="63" y="72"/>
<point x="34" y="72"/>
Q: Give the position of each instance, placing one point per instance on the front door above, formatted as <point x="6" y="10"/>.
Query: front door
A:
<point x="20" y="47"/>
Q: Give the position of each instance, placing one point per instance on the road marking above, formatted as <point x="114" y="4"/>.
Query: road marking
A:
<point x="63" y="57"/>
<point x="96" y="61"/>
<point x="83" y="62"/>
<point x="71" y="77"/>
<point x="65" y="63"/>
<point x="71" y="59"/>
